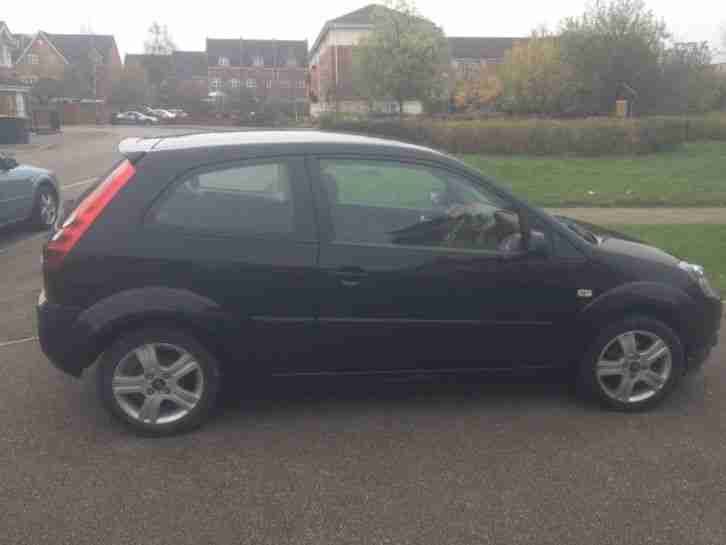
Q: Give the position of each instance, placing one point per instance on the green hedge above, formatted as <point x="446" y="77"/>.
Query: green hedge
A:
<point x="708" y="127"/>
<point x="589" y="137"/>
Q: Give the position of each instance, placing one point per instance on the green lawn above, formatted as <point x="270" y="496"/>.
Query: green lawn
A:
<point x="701" y="244"/>
<point x="692" y="176"/>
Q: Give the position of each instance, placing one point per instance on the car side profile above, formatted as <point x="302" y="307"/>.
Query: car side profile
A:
<point x="27" y="194"/>
<point x="306" y="254"/>
<point x="134" y="118"/>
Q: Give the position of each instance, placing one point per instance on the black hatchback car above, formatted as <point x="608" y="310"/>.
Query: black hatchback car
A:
<point x="302" y="253"/>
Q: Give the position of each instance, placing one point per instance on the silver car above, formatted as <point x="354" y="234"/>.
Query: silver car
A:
<point x="27" y="193"/>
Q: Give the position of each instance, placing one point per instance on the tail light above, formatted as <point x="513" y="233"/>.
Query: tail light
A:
<point x="85" y="214"/>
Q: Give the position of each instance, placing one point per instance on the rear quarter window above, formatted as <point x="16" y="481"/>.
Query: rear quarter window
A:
<point x="250" y="199"/>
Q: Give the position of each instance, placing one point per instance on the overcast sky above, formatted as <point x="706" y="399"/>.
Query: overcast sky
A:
<point x="190" y="22"/>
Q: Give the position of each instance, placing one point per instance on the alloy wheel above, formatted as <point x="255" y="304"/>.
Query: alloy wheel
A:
<point x="634" y="366"/>
<point x="158" y="383"/>
<point x="48" y="209"/>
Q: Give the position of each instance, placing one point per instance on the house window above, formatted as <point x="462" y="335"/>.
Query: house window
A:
<point x="5" y="59"/>
<point x="33" y="58"/>
<point x="251" y="83"/>
<point x="300" y="84"/>
<point x="258" y="60"/>
<point x="214" y="84"/>
<point x="285" y="83"/>
<point x="268" y="84"/>
<point x="20" y="105"/>
<point x="223" y="61"/>
<point x="30" y="80"/>
<point x="234" y="83"/>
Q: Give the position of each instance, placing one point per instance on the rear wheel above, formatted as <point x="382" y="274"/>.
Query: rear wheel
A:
<point x="633" y="364"/>
<point x="45" y="208"/>
<point x="159" y="381"/>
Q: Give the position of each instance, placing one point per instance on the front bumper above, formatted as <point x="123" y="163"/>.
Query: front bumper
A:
<point x="60" y="339"/>
<point x="706" y="335"/>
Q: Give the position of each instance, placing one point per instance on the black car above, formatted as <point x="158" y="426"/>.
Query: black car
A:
<point x="27" y="193"/>
<point x="302" y="253"/>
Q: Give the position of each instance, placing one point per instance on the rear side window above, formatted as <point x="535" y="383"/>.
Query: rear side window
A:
<point x="251" y="199"/>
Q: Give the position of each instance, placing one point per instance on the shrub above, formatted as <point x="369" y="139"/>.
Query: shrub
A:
<point x="590" y="137"/>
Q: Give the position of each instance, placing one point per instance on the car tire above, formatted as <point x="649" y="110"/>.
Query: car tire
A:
<point x="632" y="364"/>
<point x="159" y="381"/>
<point x="45" y="208"/>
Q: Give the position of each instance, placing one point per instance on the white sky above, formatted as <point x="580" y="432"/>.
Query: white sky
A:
<point x="190" y="22"/>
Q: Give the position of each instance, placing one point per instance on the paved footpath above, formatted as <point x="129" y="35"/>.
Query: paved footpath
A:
<point x="644" y="215"/>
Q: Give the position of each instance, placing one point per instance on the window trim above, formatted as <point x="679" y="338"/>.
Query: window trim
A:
<point x="325" y="220"/>
<point x="304" y="230"/>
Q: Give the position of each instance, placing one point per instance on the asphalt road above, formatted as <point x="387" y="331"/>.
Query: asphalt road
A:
<point x="505" y="463"/>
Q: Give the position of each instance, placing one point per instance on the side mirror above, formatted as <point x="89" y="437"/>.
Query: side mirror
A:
<point x="538" y="244"/>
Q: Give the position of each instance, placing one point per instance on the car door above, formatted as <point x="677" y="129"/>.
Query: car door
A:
<point x="16" y="194"/>
<point x="242" y="234"/>
<point x="415" y="277"/>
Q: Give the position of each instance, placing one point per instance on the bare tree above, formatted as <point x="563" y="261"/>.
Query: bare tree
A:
<point x="159" y="41"/>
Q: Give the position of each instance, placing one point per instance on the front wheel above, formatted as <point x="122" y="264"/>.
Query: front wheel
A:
<point x="633" y="364"/>
<point x="159" y="381"/>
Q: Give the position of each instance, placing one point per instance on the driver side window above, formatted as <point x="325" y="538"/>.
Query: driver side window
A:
<point x="395" y="203"/>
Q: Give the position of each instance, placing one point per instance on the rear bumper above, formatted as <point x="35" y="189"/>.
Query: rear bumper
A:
<point x="60" y="339"/>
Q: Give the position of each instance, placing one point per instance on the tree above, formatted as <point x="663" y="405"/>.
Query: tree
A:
<point x="189" y="95"/>
<point x="535" y="79"/>
<point x="613" y="46"/>
<point x="78" y="81"/>
<point x="159" y="41"/>
<point x="687" y="82"/>
<point x="47" y="88"/>
<point x="402" y="58"/>
<point x="131" y="88"/>
<point x="477" y="89"/>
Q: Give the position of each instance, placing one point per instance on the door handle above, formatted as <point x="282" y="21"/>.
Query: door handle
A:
<point x="350" y="277"/>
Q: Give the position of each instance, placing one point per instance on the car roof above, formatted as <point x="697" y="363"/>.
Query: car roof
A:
<point x="307" y="140"/>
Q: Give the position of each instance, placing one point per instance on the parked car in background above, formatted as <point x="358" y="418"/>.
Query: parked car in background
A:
<point x="27" y="193"/>
<point x="134" y="118"/>
<point x="161" y="114"/>
<point x="179" y="112"/>
<point x="310" y="254"/>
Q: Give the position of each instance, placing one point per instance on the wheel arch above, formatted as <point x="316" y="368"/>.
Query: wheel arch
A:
<point x="45" y="182"/>
<point x="142" y="308"/>
<point x="661" y="302"/>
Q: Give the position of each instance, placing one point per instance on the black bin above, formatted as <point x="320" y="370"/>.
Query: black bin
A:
<point x="14" y="130"/>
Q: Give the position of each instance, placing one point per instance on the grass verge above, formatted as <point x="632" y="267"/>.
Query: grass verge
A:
<point x="692" y="176"/>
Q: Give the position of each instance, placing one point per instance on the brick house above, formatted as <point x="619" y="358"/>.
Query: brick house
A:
<point x="94" y="57"/>
<point x="331" y="66"/>
<point x="331" y="62"/>
<point x="13" y="92"/>
<point x="470" y="55"/>
<point x="265" y="70"/>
